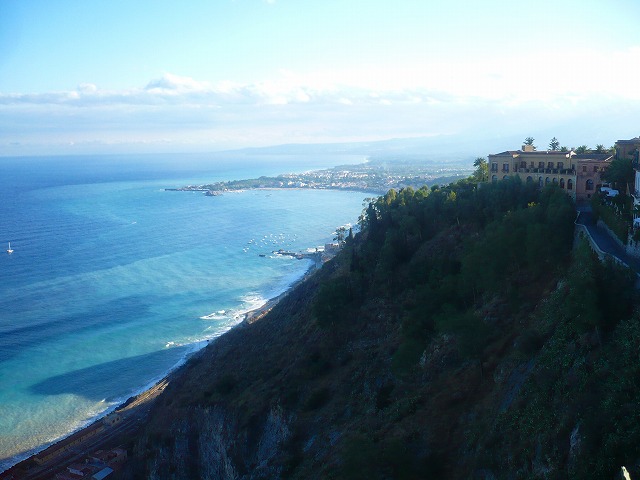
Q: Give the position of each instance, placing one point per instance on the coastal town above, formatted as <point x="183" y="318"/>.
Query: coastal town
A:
<point x="376" y="176"/>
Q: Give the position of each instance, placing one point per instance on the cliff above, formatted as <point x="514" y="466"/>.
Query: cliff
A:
<point x="456" y="337"/>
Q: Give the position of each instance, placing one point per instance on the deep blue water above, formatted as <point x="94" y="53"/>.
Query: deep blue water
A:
<point x="113" y="280"/>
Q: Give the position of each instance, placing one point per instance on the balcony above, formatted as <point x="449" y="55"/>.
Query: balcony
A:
<point x="548" y="171"/>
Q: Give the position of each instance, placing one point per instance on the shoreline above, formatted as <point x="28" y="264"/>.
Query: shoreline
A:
<point x="133" y="408"/>
<point x="258" y="313"/>
<point x="370" y="191"/>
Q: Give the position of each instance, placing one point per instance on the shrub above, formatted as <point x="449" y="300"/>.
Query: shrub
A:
<point x="318" y="398"/>
<point x="226" y="384"/>
<point x="333" y="302"/>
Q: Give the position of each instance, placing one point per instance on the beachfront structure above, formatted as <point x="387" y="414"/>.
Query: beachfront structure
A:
<point x="68" y="443"/>
<point x="578" y="174"/>
<point x="84" y="470"/>
<point x="113" y="458"/>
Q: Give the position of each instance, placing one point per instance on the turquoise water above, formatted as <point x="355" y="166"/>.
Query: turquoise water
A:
<point x="113" y="280"/>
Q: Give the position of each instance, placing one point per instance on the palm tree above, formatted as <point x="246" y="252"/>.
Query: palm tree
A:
<point x="554" y="144"/>
<point x="481" y="173"/>
<point x="582" y="149"/>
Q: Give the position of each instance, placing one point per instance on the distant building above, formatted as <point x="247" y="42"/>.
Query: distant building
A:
<point x="578" y="174"/>
<point x="98" y="466"/>
<point x="113" y="458"/>
<point x="71" y="441"/>
<point x="628" y="149"/>
<point x="78" y="471"/>
<point x="114" y="417"/>
<point x="102" y="474"/>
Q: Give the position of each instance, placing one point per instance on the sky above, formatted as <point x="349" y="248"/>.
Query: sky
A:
<point x="100" y="76"/>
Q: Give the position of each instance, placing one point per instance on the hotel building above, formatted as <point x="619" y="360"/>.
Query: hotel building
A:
<point x="578" y="174"/>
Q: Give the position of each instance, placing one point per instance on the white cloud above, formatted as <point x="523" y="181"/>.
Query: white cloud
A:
<point x="175" y="84"/>
<point x="545" y="77"/>
<point x="176" y="90"/>
<point x="87" y="88"/>
<point x="183" y="111"/>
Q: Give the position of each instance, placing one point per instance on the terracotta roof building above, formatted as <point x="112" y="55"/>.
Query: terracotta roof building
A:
<point x="578" y="174"/>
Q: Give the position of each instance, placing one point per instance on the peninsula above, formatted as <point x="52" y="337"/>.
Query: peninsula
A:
<point x="378" y="175"/>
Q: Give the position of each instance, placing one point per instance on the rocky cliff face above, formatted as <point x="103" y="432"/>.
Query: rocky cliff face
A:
<point x="212" y="445"/>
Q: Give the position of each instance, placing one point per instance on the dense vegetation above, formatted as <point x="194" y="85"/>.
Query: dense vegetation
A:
<point x="459" y="335"/>
<point x="615" y="212"/>
<point x="447" y="252"/>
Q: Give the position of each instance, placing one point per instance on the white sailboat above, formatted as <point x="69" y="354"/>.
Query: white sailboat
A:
<point x="9" y="250"/>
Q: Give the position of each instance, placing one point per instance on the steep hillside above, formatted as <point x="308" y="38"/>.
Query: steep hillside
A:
<point x="453" y="338"/>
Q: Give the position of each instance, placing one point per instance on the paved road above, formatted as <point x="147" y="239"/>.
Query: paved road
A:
<point x="606" y="243"/>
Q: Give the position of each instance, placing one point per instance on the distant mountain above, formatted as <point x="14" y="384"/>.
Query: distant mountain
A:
<point x="440" y="148"/>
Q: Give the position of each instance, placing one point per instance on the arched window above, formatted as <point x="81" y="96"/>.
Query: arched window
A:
<point x="540" y="182"/>
<point x="589" y="185"/>
<point x="555" y="181"/>
<point x="529" y="179"/>
<point x="494" y="178"/>
<point x="562" y="183"/>
<point x="569" y="184"/>
<point x="546" y="182"/>
<point x="505" y="177"/>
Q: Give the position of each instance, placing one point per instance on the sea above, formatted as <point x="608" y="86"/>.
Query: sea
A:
<point x="114" y="281"/>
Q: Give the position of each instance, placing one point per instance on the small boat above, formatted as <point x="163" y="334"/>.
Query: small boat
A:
<point x="9" y="250"/>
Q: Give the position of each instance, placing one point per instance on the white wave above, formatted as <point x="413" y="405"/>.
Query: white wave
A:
<point x="248" y="302"/>
<point x="213" y="316"/>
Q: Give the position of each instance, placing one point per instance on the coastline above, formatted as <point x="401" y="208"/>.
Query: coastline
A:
<point x="132" y="411"/>
<point x="258" y="313"/>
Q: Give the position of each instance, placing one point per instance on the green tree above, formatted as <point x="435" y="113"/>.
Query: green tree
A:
<point x="582" y="149"/>
<point x="340" y="234"/>
<point x="481" y="173"/>
<point x="620" y="172"/>
<point x="581" y="298"/>
<point x="529" y="141"/>
<point x="600" y="148"/>
<point x="564" y="149"/>
<point x="554" y="144"/>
